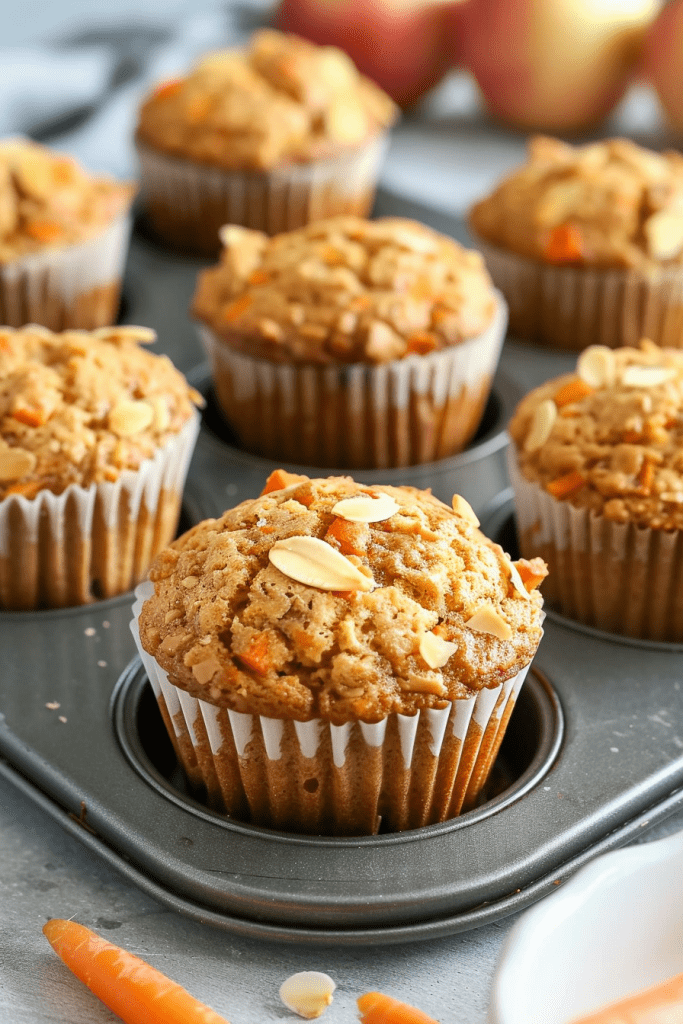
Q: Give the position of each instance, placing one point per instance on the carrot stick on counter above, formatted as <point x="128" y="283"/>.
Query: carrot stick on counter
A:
<point x="376" y="1008"/>
<point x="138" y="993"/>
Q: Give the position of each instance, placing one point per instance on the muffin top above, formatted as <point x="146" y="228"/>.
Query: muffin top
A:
<point x="607" y="204"/>
<point x="47" y="200"/>
<point x="80" y="407"/>
<point x="280" y="100"/>
<point x="610" y="437"/>
<point x="345" y="290"/>
<point x="327" y="598"/>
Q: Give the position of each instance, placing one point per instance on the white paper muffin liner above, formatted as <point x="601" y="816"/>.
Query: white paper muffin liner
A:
<point x="356" y="415"/>
<point x="74" y="287"/>
<point x="58" y="550"/>
<point x="186" y="203"/>
<point x="619" y="577"/>
<point x="572" y="307"/>
<point x="317" y="778"/>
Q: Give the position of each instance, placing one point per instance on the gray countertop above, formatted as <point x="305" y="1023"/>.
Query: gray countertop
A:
<point x="442" y="157"/>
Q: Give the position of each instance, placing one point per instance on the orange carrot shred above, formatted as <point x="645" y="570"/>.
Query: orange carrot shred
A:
<point x="564" y="245"/>
<point x="279" y="479"/>
<point x="376" y="1008"/>
<point x="646" y="476"/>
<point x="235" y="309"/>
<point x="566" y="484"/>
<point x="29" y="489"/>
<point x="573" y="391"/>
<point x="532" y="571"/>
<point x="44" y="230"/>
<point x="131" y="988"/>
<point x="631" y="437"/>
<point x="421" y="342"/>
<point x="31" y="417"/>
<point x="258" y="277"/>
<point x="257" y="655"/>
<point x="166" y="89"/>
<point x="348" y="535"/>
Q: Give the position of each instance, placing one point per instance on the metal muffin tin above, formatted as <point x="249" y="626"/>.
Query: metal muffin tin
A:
<point x="592" y="756"/>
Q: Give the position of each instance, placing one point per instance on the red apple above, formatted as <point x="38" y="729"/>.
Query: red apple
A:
<point x="400" y="44"/>
<point x="663" y="60"/>
<point x="553" y="65"/>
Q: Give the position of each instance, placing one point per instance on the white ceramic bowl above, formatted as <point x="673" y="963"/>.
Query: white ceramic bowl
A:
<point x="614" y="929"/>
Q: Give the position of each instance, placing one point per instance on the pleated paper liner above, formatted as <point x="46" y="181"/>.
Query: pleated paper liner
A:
<point x="569" y="307"/>
<point x="619" y="577"/>
<point x="316" y="778"/>
<point x="186" y="203"/>
<point x="73" y="287"/>
<point x="357" y="415"/>
<point x="58" y="550"/>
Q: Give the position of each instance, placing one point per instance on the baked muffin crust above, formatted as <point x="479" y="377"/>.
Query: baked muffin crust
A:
<point x="80" y="407"/>
<point x="345" y="290"/>
<point x="280" y="100"/>
<point x="606" y="204"/>
<point x="232" y="628"/>
<point x="47" y="200"/>
<point x="610" y="438"/>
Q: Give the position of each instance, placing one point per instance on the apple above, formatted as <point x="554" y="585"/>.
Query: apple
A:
<point x="400" y="44"/>
<point x="663" y="60"/>
<point x="551" y="65"/>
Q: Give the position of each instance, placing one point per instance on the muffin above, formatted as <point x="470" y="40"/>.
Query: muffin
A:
<point x="351" y="343"/>
<point x="331" y="658"/>
<point x="272" y="136"/>
<point x="586" y="243"/>
<point x="597" y="468"/>
<point x="63" y="240"/>
<point x="96" y="436"/>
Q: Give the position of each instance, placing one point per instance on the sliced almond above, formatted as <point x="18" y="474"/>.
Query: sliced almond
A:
<point x="542" y="423"/>
<point x="647" y="376"/>
<point x="315" y="563"/>
<point x="204" y="671"/>
<point x="464" y="509"/>
<point x="129" y="417"/>
<point x="234" y="234"/>
<point x="15" y="463"/>
<point x="435" y="650"/>
<point x="143" y="335"/>
<point x="488" y="619"/>
<point x="596" y="366"/>
<point x="664" y="234"/>
<point x="307" y="993"/>
<point x="363" y="508"/>
<point x="517" y="582"/>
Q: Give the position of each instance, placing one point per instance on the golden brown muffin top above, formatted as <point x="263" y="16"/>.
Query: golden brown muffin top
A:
<point x="345" y="290"/>
<point x="299" y="604"/>
<point x="607" y="204"/>
<point x="79" y="407"/>
<point x="47" y="200"/>
<point x="280" y="100"/>
<point x="610" y="437"/>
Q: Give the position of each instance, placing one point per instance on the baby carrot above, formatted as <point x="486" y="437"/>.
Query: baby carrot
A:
<point x="138" y="993"/>
<point x="376" y="1008"/>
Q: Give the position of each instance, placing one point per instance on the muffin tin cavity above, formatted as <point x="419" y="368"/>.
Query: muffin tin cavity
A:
<point x="222" y="474"/>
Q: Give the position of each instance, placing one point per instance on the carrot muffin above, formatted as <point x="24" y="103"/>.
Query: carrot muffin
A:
<point x="586" y="243"/>
<point x="330" y="657"/>
<point x="63" y="239"/>
<point x="272" y="136"/>
<point x="95" y="439"/>
<point x="597" y="468"/>
<point x="351" y="342"/>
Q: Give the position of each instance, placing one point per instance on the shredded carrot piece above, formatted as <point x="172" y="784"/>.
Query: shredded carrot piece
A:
<point x="566" y="484"/>
<point x="28" y="489"/>
<point x="376" y="1008"/>
<point x="564" y="245"/>
<point x="646" y="476"/>
<point x="131" y="988"/>
<point x="279" y="479"/>
<point x="332" y="256"/>
<point x="631" y="437"/>
<point x="31" y="417"/>
<point x="44" y="230"/>
<point x="63" y="172"/>
<point x="348" y="535"/>
<point x="573" y="391"/>
<point x="532" y="572"/>
<point x="258" y="277"/>
<point x="421" y="342"/>
<point x="234" y="311"/>
<point x="169" y="88"/>
<point x="660" y="1003"/>
<point x="257" y="655"/>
